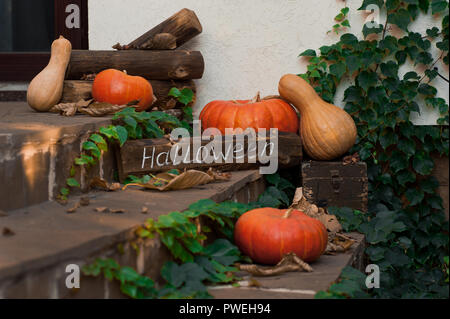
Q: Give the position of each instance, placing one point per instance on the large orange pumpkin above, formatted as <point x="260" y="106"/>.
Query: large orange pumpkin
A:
<point x="117" y="87"/>
<point x="256" y="113"/>
<point x="267" y="234"/>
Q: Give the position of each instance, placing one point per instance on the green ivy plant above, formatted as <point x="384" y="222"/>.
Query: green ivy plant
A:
<point x="341" y="20"/>
<point x="405" y="226"/>
<point x="195" y="264"/>
<point x="128" y="125"/>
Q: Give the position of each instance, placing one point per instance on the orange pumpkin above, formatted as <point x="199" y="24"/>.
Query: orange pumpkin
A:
<point x="267" y="234"/>
<point x="117" y="87"/>
<point x="266" y="113"/>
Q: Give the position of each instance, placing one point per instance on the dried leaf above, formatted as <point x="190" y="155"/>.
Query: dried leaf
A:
<point x="101" y="209"/>
<point x="66" y="109"/>
<point x="103" y="108"/>
<point x="219" y="176"/>
<point x="252" y="282"/>
<point x="301" y="203"/>
<point x="101" y="183"/>
<point x="118" y="211"/>
<point x="74" y="208"/>
<point x="336" y="243"/>
<point x="84" y="201"/>
<point x="144" y="210"/>
<point x="331" y="223"/>
<point x="351" y="159"/>
<point x="7" y="232"/>
<point x="167" y="181"/>
<point x="88" y="77"/>
<point x="290" y="262"/>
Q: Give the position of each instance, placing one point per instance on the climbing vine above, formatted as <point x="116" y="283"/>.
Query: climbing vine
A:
<point x="196" y="264"/>
<point x="405" y="226"/>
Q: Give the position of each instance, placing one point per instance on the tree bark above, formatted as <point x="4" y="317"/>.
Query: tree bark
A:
<point x="152" y="65"/>
<point x="182" y="26"/>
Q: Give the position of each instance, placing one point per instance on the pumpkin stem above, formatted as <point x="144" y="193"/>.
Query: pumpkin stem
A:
<point x="287" y="214"/>
<point x="257" y="98"/>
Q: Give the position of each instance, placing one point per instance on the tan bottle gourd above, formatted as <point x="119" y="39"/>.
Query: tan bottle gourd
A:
<point x="45" y="90"/>
<point x="327" y="131"/>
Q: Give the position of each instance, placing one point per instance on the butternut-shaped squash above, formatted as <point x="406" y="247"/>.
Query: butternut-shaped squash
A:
<point x="327" y="131"/>
<point x="45" y="90"/>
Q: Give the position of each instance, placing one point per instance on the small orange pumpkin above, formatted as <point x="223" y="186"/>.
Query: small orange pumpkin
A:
<point x="267" y="234"/>
<point x="117" y="87"/>
<point x="266" y="113"/>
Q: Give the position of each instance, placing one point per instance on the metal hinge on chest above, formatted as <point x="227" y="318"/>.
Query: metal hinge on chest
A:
<point x="336" y="180"/>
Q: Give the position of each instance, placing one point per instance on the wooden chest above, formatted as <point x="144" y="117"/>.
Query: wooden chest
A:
<point x="335" y="184"/>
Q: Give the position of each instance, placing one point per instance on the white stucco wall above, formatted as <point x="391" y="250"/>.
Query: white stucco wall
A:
<point x="247" y="45"/>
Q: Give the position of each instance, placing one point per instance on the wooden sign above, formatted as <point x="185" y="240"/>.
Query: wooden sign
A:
<point x="140" y="157"/>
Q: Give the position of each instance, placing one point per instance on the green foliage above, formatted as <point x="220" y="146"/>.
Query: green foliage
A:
<point x="405" y="226"/>
<point x="128" y="125"/>
<point x="341" y="20"/>
<point x="195" y="265"/>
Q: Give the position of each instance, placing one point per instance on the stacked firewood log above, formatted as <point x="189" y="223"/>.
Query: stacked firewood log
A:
<point x="155" y="56"/>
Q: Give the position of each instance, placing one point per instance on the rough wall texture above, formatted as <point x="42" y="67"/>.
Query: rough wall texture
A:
<point x="247" y="45"/>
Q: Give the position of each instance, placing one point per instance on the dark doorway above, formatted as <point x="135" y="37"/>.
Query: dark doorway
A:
<point x="26" y="25"/>
<point x="28" y="28"/>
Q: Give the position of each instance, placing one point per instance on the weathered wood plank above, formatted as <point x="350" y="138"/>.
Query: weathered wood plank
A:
<point x="152" y="65"/>
<point x="75" y="90"/>
<point x="169" y="34"/>
<point x="140" y="157"/>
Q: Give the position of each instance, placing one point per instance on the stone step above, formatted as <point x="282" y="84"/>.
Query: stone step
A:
<point x="34" y="146"/>
<point x="46" y="238"/>
<point x="296" y="285"/>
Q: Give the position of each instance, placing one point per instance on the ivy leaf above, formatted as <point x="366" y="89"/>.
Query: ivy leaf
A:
<point x="185" y="96"/>
<point x="349" y="39"/>
<point x="308" y="52"/>
<point x="438" y="6"/>
<point x="433" y="32"/>
<point x="366" y="3"/>
<point x="130" y="121"/>
<point x="429" y="185"/>
<point x="401" y="18"/>
<point x="424" y="58"/>
<point x="424" y="5"/>
<point x="345" y="23"/>
<point x="407" y="146"/>
<point x="392" y="4"/>
<point x="389" y="43"/>
<point x="353" y="63"/>
<point x="122" y="134"/>
<point x="366" y="79"/>
<point x="338" y="69"/>
<point x="422" y="163"/>
<point x="413" y="11"/>
<point x="411" y="76"/>
<point x="72" y="182"/>
<point x="414" y="196"/>
<point x="389" y="69"/>
<point x="401" y="56"/>
<point x="172" y="274"/>
<point x="405" y="176"/>
<point x="371" y="30"/>
<point x="427" y="89"/>
<point x="398" y="161"/>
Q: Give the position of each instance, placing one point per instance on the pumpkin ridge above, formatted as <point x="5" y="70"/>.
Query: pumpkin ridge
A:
<point x="312" y="149"/>
<point x="333" y="136"/>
